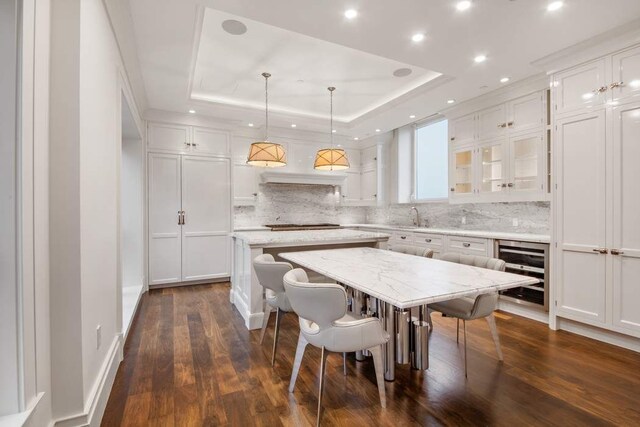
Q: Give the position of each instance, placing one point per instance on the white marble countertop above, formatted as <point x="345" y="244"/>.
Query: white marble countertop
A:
<point x="523" y="237"/>
<point x="404" y="280"/>
<point x="307" y="237"/>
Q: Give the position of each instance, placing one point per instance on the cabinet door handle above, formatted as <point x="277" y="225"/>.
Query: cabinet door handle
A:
<point x="466" y="245"/>
<point x="502" y="125"/>
<point x="510" y="124"/>
<point x="453" y="189"/>
<point x="182" y="217"/>
<point x="601" y="89"/>
<point x="453" y="138"/>
<point x="615" y="85"/>
<point x="427" y="240"/>
<point x="403" y="237"/>
<point x="603" y="251"/>
<point x="510" y="184"/>
<point x="256" y="195"/>
<point x="179" y="217"/>
<point x="616" y="252"/>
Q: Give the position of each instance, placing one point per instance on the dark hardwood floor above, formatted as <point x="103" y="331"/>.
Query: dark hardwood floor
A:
<point x="189" y="361"/>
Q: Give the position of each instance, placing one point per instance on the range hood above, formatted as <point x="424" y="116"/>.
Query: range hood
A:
<point x="329" y="178"/>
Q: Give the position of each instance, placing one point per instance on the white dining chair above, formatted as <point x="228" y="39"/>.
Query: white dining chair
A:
<point x="325" y="323"/>
<point x="479" y="307"/>
<point x="413" y="250"/>
<point x="270" y="273"/>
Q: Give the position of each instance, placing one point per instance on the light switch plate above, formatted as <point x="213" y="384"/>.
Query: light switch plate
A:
<point x="463" y="220"/>
<point x="515" y="222"/>
<point x="98" y="336"/>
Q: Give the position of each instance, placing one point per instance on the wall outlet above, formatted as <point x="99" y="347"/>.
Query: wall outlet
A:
<point x="463" y="220"/>
<point x="515" y="222"/>
<point x="98" y="336"/>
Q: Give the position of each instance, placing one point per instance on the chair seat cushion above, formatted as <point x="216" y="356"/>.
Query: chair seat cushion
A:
<point x="459" y="307"/>
<point x="278" y="300"/>
<point x="349" y="333"/>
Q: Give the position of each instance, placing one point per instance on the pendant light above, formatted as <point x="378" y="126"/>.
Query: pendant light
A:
<point x="264" y="153"/>
<point x="331" y="159"/>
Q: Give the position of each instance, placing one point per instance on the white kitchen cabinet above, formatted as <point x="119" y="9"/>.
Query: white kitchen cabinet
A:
<point x="626" y="74"/>
<point x="189" y="218"/>
<point x="492" y="122"/>
<point x="468" y="245"/>
<point x="526" y="163"/>
<point x="463" y="129"/>
<point x="580" y="87"/>
<point x="526" y="113"/>
<point x="369" y="157"/>
<point x="625" y="245"/>
<point x="165" y="235"/>
<point x="581" y="217"/>
<point x="351" y="190"/>
<point x="369" y="184"/>
<point x="462" y="172"/>
<point x="245" y="184"/>
<point x="209" y="141"/>
<point x="492" y="167"/>
<point x="169" y="137"/>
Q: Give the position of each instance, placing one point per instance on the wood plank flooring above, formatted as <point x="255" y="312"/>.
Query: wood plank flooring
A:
<point x="189" y="361"/>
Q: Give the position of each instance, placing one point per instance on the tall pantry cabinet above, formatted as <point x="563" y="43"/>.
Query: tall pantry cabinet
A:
<point x="189" y="191"/>
<point x="597" y="192"/>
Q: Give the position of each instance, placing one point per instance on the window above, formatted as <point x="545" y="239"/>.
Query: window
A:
<point x="432" y="160"/>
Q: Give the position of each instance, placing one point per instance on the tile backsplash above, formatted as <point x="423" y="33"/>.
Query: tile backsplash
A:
<point x="524" y="217"/>
<point x="293" y="203"/>
<point x="296" y="204"/>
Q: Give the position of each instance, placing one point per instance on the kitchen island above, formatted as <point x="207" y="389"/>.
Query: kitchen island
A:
<point x="246" y="292"/>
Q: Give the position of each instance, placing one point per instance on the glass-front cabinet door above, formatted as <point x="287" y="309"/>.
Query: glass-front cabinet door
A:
<point x="526" y="160"/>
<point x="462" y="172"/>
<point x="492" y="157"/>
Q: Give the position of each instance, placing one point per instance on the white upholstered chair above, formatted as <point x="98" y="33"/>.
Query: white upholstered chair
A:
<point x="472" y="308"/>
<point x="270" y="273"/>
<point x="325" y="323"/>
<point x="413" y="250"/>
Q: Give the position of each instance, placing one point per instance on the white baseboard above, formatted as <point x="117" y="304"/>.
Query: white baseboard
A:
<point x="599" y="334"/>
<point x="251" y="320"/>
<point x="533" y="313"/>
<point x="97" y="400"/>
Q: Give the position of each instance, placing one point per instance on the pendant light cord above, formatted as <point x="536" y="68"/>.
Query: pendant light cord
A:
<point x="331" y="89"/>
<point x="266" y="105"/>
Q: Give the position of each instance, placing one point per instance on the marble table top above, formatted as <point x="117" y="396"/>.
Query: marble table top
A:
<point x="308" y="237"/>
<point x="404" y="280"/>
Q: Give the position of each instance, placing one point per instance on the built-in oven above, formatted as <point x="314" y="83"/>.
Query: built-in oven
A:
<point x="527" y="259"/>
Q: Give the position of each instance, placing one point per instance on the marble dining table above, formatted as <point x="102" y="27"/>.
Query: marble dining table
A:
<point x="400" y="281"/>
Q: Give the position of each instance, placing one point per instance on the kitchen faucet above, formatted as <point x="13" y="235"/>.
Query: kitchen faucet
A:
<point x="416" y="220"/>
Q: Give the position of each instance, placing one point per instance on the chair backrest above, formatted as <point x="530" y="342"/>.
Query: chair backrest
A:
<point x="474" y="260"/>
<point x="321" y="303"/>
<point x="270" y="272"/>
<point x="484" y="304"/>
<point x="413" y="250"/>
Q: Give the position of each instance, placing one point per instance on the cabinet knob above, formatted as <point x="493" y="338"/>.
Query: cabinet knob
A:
<point x="453" y="189"/>
<point x="603" y="251"/>
<point x="510" y="184"/>
<point x="616" y="252"/>
<point x="510" y="124"/>
<point x="601" y="89"/>
<point x="427" y="240"/>
<point x="453" y="138"/>
<point x="613" y="86"/>
<point x="256" y="194"/>
<point x="466" y="245"/>
<point x="403" y="237"/>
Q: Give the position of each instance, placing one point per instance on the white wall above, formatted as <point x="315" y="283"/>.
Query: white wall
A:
<point x="131" y="220"/>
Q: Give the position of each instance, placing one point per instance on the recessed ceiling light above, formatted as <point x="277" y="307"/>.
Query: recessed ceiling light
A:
<point x="417" y="37"/>
<point x="350" y="13"/>
<point x="463" y="5"/>
<point x="333" y="131"/>
<point x="480" y="58"/>
<point x="377" y="130"/>
<point x="450" y="101"/>
<point x="250" y="125"/>
<point x="554" y="5"/>
<point x="192" y="111"/>
<point x="504" y="79"/>
<point x="413" y="116"/>
<point x="233" y="27"/>
<point x="356" y="138"/>
<point x="293" y="125"/>
<point x="402" y="72"/>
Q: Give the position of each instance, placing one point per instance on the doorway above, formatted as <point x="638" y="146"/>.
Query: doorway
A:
<point x="132" y="275"/>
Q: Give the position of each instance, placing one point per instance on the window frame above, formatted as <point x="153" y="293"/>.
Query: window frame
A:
<point x="416" y="128"/>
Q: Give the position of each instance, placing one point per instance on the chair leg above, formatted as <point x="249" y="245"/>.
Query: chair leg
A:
<point x="344" y="363"/>
<point x="457" y="331"/>
<point x="376" y="352"/>
<point x="265" y="322"/>
<point x="491" y="320"/>
<point x="279" y="314"/>
<point x="323" y="365"/>
<point x="297" y="361"/>
<point x="464" y="329"/>
<point x="429" y="319"/>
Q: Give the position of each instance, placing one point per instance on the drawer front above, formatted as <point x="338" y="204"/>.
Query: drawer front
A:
<point x="468" y="245"/>
<point x="429" y="240"/>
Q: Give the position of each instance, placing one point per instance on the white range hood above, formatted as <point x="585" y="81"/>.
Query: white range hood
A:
<point x="318" y="178"/>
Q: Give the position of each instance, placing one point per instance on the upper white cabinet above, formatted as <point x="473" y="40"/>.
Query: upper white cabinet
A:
<point x="361" y="188"/>
<point x="369" y="184"/>
<point x="245" y="184"/>
<point x="209" y="141"/>
<point x="169" y="137"/>
<point x="580" y="87"/>
<point x="351" y="190"/>
<point x="187" y="139"/>
<point x="626" y="74"/>
<point x="504" y="159"/>
<point x="492" y="122"/>
<point x="463" y="129"/>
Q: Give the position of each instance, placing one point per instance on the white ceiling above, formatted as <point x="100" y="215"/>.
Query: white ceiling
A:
<point x="294" y="38"/>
